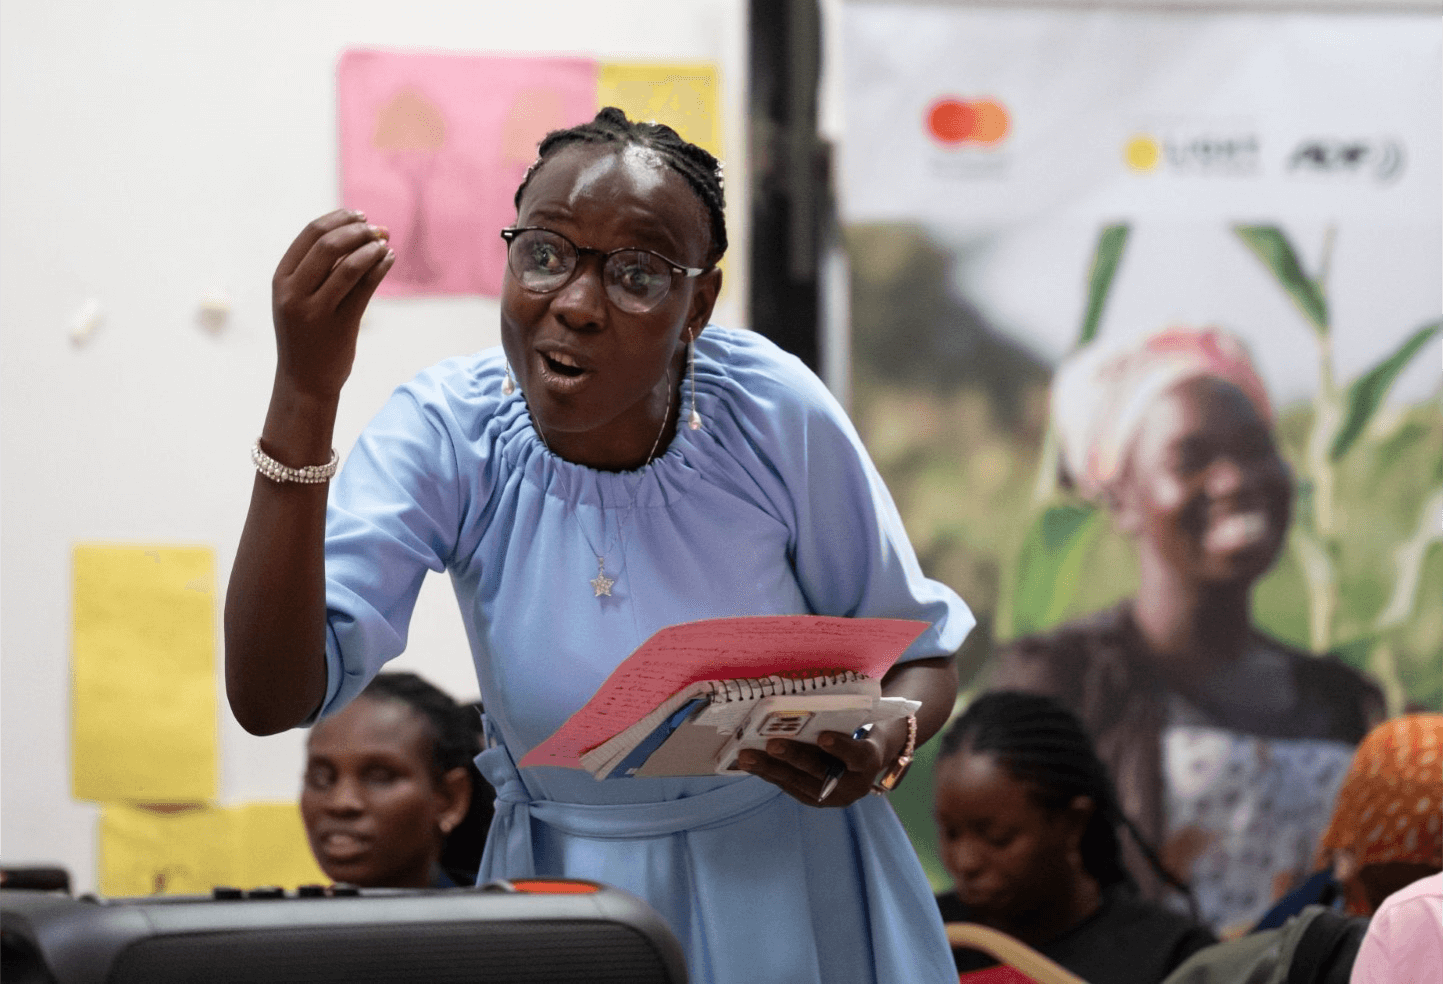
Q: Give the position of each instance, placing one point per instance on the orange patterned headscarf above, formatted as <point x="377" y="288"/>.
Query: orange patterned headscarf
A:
<point x="1390" y="807"/>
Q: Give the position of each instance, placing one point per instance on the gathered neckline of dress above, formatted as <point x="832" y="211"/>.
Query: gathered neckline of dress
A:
<point x="668" y="477"/>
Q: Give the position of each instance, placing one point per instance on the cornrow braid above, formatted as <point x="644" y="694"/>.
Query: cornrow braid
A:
<point x="702" y="171"/>
<point x="1040" y="742"/>
<point x="454" y="727"/>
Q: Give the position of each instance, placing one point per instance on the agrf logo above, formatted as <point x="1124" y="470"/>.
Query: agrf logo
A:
<point x="1381" y="160"/>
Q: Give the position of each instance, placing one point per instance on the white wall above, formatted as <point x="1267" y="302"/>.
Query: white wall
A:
<point x="151" y="153"/>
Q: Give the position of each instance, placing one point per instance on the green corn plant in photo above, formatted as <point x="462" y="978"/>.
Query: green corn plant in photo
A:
<point x="1047" y="572"/>
<point x="1340" y="419"/>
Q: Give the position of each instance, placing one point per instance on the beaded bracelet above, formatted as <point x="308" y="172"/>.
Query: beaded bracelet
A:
<point x="893" y="774"/>
<point x="277" y="472"/>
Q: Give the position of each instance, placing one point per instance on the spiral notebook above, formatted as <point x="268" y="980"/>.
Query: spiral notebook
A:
<point x="674" y="704"/>
<point x="701" y="729"/>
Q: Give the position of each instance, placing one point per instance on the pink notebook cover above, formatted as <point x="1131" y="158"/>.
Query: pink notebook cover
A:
<point x="1001" y="974"/>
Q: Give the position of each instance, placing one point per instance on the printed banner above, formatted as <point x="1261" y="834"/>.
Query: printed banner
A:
<point x="1017" y="182"/>
<point x="980" y="117"/>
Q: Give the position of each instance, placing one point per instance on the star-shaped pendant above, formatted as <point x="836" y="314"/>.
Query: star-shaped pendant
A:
<point x="601" y="582"/>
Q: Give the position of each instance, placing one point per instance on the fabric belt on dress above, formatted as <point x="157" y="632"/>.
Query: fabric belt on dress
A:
<point x="509" y="852"/>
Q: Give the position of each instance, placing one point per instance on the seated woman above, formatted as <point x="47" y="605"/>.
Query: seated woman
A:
<point x="1028" y="825"/>
<point x="1384" y="842"/>
<point x="1226" y="745"/>
<point x="389" y="781"/>
<point x="1386" y="830"/>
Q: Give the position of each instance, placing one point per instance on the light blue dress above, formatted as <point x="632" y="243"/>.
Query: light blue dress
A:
<point x="771" y="508"/>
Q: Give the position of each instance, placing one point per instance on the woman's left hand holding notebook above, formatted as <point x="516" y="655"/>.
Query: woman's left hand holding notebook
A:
<point x="801" y="770"/>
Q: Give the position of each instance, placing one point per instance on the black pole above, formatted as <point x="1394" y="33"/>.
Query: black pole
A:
<point x="786" y="171"/>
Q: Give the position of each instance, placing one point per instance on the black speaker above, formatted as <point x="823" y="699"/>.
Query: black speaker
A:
<point x="530" y="931"/>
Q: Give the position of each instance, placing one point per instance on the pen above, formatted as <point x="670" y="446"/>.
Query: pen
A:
<point x="837" y="769"/>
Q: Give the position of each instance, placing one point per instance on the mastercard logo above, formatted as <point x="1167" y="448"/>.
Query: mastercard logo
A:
<point x="953" y="121"/>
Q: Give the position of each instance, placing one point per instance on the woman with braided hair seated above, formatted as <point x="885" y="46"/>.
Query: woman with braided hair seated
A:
<point x="1029" y="830"/>
<point x="390" y="795"/>
<point x="616" y="466"/>
<point x="1227" y="746"/>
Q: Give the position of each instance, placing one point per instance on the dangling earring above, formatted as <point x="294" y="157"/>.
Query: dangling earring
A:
<point x="508" y="385"/>
<point x="693" y="420"/>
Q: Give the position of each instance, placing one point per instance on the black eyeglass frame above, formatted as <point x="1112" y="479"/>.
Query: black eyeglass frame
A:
<point x="510" y="233"/>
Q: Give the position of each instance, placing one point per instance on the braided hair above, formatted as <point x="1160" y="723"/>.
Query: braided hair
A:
<point x="702" y="171"/>
<point x="1039" y="742"/>
<point x="455" y="741"/>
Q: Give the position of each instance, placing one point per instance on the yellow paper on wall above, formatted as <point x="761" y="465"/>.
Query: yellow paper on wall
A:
<point x="682" y="95"/>
<point x="185" y="852"/>
<point x="189" y="850"/>
<point x="272" y="847"/>
<point x="144" y="718"/>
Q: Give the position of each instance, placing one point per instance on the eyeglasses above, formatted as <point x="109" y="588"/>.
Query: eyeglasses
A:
<point x="636" y="280"/>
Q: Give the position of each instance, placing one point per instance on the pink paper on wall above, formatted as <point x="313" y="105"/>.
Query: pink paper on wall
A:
<point x="434" y="145"/>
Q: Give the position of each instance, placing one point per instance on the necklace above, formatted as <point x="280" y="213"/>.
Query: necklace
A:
<point x="601" y="584"/>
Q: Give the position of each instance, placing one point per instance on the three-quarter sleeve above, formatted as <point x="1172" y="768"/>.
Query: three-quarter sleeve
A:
<point x="394" y="514"/>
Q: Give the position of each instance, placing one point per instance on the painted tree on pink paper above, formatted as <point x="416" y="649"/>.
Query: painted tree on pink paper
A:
<point x="410" y="132"/>
<point x="433" y="146"/>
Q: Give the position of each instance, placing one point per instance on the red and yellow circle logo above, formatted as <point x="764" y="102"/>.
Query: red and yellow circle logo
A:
<point x="952" y="121"/>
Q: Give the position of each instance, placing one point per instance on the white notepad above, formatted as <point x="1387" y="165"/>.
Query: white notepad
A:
<point x="701" y="728"/>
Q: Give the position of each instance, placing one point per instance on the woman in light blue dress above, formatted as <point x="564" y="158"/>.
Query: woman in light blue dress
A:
<point x="617" y="466"/>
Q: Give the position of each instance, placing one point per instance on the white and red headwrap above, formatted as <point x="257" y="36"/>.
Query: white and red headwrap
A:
<point x="1101" y="394"/>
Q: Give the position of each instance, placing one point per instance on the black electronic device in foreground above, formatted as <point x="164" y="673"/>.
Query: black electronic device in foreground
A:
<point x="533" y="930"/>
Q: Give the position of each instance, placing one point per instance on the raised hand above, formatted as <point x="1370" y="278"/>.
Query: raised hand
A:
<point x="275" y="612"/>
<point x="318" y="294"/>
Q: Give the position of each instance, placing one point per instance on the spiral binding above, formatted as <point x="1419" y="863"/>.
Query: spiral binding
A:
<point x="779" y="684"/>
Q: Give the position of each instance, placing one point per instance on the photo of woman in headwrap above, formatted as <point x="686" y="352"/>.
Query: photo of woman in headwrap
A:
<point x="1227" y="746"/>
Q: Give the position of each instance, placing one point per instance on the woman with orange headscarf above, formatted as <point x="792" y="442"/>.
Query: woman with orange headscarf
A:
<point x="1387" y="826"/>
<point x="1226" y="745"/>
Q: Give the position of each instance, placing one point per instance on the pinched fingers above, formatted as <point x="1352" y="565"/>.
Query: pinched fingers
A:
<point x="308" y="237"/>
<point x="347" y="252"/>
<point x="319" y="293"/>
<point x="350" y="269"/>
<point x="355" y="302"/>
<point x="334" y="263"/>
